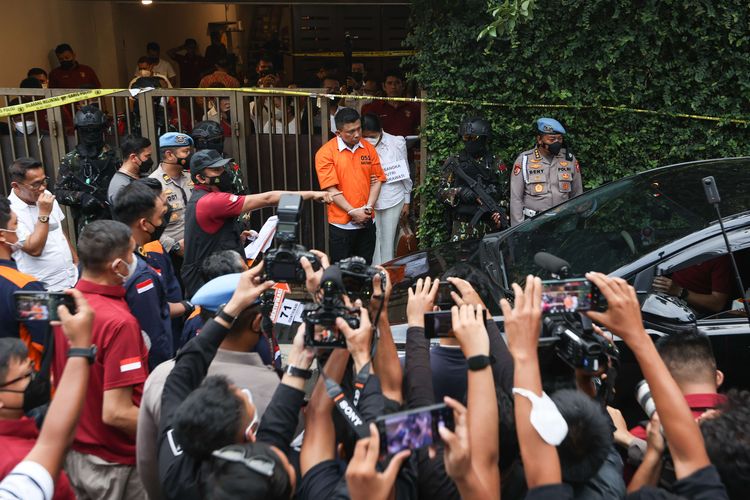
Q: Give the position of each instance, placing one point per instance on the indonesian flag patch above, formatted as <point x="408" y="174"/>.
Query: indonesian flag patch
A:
<point x="144" y="286"/>
<point x="130" y="364"/>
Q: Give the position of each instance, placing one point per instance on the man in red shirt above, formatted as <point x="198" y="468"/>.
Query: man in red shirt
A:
<point x="102" y="461"/>
<point x="71" y="74"/>
<point x="191" y="63"/>
<point x="705" y="286"/>
<point x="396" y="117"/>
<point x="211" y="217"/>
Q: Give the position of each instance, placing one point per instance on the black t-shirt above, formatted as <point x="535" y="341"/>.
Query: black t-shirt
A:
<point x="558" y="491"/>
<point x="449" y="372"/>
<point x="703" y="484"/>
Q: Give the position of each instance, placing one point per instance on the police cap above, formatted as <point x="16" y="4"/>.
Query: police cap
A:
<point x="175" y="139"/>
<point x="548" y="126"/>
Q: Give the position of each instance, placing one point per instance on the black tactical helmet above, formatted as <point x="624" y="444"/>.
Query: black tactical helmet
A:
<point x="207" y="135"/>
<point x="475" y="126"/>
<point x="89" y="116"/>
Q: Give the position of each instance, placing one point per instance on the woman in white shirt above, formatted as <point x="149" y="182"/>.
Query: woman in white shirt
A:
<point x="395" y="194"/>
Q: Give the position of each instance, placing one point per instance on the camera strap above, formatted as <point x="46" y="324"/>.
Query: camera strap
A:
<point x="359" y="382"/>
<point x="347" y="410"/>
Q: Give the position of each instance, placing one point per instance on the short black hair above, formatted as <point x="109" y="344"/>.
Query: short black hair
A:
<point x="393" y="72"/>
<point x="19" y="168"/>
<point x="133" y="144"/>
<point x="36" y="71"/>
<point x="63" y="47"/>
<point x="152" y="183"/>
<point x="727" y="438"/>
<point x="134" y="201"/>
<point x="589" y="437"/>
<point x="153" y="46"/>
<point x="209" y="418"/>
<point x="191" y="41"/>
<point x="30" y="83"/>
<point x="228" y="480"/>
<point x="345" y="116"/>
<point x="688" y="355"/>
<point x="101" y="242"/>
<point x="371" y="123"/>
<point x="4" y="212"/>
<point x="144" y="59"/>
<point x="221" y="263"/>
<point x="11" y="349"/>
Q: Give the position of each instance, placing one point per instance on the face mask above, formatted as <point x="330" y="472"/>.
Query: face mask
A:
<point x="223" y="182"/>
<point x="67" y="65"/>
<point x="45" y="85"/>
<point x="476" y="148"/>
<point x="185" y="162"/>
<point x="554" y="148"/>
<point x="26" y="128"/>
<point x="144" y="72"/>
<point x="131" y="268"/>
<point x="373" y="140"/>
<point x="36" y="394"/>
<point x="91" y="136"/>
<point x="545" y="417"/>
<point x="17" y="245"/>
<point x="145" y="166"/>
<point x="159" y="230"/>
<point x="278" y="113"/>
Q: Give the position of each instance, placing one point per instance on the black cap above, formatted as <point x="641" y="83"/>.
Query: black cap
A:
<point x="207" y="158"/>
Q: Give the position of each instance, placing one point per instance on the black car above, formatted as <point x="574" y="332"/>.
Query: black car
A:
<point x="646" y="225"/>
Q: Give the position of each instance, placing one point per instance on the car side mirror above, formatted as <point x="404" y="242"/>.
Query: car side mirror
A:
<point x="667" y="314"/>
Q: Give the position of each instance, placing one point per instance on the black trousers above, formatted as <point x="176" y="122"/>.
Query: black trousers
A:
<point x="343" y="243"/>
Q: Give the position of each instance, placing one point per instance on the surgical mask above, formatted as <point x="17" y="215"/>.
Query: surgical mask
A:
<point x="278" y="113"/>
<point x="67" y="65"/>
<point x="545" y="417"/>
<point x="252" y="428"/>
<point x="45" y="85"/>
<point x="145" y="166"/>
<point x="36" y="393"/>
<point x="131" y="268"/>
<point x="373" y="140"/>
<point x="554" y="148"/>
<point x="26" y="128"/>
<point x="144" y="72"/>
<point x="15" y="246"/>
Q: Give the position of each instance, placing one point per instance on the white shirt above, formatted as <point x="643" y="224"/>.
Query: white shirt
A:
<point x="391" y="149"/>
<point x="28" y="480"/>
<point x="163" y="67"/>
<point x="55" y="265"/>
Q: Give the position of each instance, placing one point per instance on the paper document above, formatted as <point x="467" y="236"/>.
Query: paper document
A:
<point x="396" y="171"/>
<point x="264" y="239"/>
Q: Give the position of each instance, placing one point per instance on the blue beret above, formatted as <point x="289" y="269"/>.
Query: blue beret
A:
<point x="175" y="139"/>
<point x="549" y="126"/>
<point x="216" y="292"/>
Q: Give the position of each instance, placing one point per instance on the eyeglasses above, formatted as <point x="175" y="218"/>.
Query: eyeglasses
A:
<point x="37" y="185"/>
<point x="31" y="376"/>
<point x="471" y="137"/>
<point x="258" y="463"/>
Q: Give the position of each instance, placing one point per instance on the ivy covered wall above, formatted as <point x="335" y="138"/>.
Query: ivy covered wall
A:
<point x="675" y="57"/>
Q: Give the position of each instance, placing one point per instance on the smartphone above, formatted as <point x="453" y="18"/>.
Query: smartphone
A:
<point x="444" y="299"/>
<point x="571" y="295"/>
<point x="413" y="429"/>
<point x="438" y="324"/>
<point x="41" y="306"/>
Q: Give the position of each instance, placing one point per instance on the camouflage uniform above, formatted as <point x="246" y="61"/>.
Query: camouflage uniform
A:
<point x="81" y="176"/>
<point x="460" y="203"/>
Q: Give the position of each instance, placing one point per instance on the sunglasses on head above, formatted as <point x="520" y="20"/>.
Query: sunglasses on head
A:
<point x="263" y="465"/>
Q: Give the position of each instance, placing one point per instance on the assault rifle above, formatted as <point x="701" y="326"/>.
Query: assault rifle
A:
<point x="487" y="204"/>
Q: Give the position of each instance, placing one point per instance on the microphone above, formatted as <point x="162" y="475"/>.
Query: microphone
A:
<point x="551" y="263"/>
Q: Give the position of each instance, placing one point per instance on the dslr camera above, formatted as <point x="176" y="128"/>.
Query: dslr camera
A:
<point x="356" y="276"/>
<point x="321" y="317"/>
<point x="580" y="348"/>
<point x="283" y="262"/>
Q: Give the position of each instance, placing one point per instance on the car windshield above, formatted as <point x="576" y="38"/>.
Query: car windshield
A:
<point x="613" y="225"/>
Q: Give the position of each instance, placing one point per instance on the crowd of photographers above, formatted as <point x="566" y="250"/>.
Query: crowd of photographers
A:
<point x="221" y="420"/>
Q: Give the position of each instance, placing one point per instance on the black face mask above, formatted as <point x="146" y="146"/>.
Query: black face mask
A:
<point x="145" y="166"/>
<point x="476" y="148"/>
<point x="91" y="137"/>
<point x="36" y="394"/>
<point x="67" y="65"/>
<point x="185" y="162"/>
<point x="223" y="182"/>
<point x="554" y="148"/>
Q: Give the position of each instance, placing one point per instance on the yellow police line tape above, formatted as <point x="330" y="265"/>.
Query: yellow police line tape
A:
<point x="51" y="102"/>
<point x="356" y="53"/>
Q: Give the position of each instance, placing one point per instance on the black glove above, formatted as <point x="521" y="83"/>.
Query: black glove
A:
<point x="90" y="204"/>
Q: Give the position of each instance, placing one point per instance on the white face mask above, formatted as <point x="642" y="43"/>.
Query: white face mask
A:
<point x="27" y="128"/>
<point x="131" y="268"/>
<point x="17" y="245"/>
<point x="545" y="417"/>
<point x="45" y="85"/>
<point x="144" y="72"/>
<point x="373" y="140"/>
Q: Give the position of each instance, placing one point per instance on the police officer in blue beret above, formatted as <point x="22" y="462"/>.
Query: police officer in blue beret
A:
<point x="545" y="176"/>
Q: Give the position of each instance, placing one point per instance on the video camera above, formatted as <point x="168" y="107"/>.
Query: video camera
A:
<point x="283" y="262"/>
<point x="356" y="277"/>
<point x="324" y="314"/>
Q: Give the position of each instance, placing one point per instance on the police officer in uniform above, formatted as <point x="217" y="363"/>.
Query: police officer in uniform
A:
<point x="208" y="134"/>
<point x="545" y="176"/>
<point x="461" y="202"/>
<point x="85" y="172"/>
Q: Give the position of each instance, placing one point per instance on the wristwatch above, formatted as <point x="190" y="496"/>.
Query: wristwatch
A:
<point x="189" y="307"/>
<point x="226" y="316"/>
<point x="298" y="372"/>
<point x="175" y="248"/>
<point x="480" y="362"/>
<point x="44" y="218"/>
<point x="83" y="352"/>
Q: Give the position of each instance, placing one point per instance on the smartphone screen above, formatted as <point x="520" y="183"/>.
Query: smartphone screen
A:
<point x="413" y="429"/>
<point x="41" y="306"/>
<point x="567" y="296"/>
<point x="444" y="299"/>
<point x="438" y="324"/>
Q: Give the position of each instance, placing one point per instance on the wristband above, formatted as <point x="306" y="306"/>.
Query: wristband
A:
<point x="225" y="316"/>
<point x="298" y="372"/>
<point x="480" y="362"/>
<point x="83" y="352"/>
<point x="189" y="307"/>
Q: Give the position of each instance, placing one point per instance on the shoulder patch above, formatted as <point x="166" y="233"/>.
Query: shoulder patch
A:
<point x="516" y="169"/>
<point x="144" y="286"/>
<point x="578" y="167"/>
<point x="166" y="177"/>
<point x="234" y="198"/>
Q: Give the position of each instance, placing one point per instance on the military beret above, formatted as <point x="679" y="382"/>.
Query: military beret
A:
<point x="175" y="139"/>
<point x="549" y="126"/>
